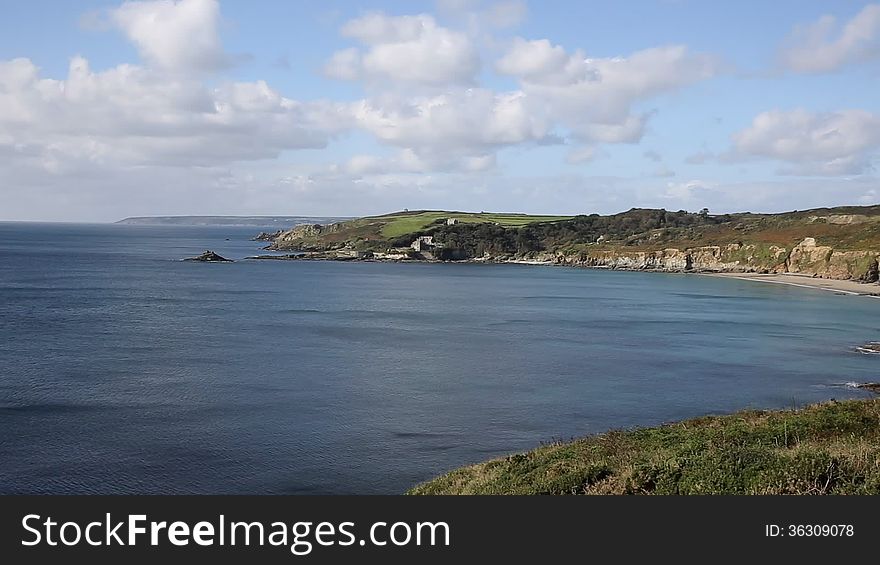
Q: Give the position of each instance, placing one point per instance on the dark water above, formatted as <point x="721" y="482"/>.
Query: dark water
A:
<point x="124" y="370"/>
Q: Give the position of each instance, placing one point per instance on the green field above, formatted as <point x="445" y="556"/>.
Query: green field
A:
<point x="830" y="448"/>
<point x="402" y="223"/>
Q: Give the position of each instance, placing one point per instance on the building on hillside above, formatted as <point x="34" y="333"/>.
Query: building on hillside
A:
<point x="423" y="243"/>
<point x="451" y="221"/>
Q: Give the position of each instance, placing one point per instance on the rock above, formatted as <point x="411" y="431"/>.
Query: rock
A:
<point x="209" y="257"/>
<point x="267" y="236"/>
<point x="873" y="387"/>
<point x="305" y="237"/>
<point x="870" y="348"/>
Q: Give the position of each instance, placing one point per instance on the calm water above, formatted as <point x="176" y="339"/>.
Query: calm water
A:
<point x="125" y="370"/>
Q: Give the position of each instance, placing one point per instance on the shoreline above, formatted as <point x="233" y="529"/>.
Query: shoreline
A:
<point x="839" y="286"/>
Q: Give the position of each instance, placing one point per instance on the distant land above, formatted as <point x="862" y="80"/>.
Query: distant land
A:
<point x="254" y="221"/>
<point x="825" y="243"/>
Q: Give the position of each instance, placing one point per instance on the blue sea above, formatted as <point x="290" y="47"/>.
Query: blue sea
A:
<point x="125" y="370"/>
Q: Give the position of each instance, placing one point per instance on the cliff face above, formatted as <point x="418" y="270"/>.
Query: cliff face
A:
<point x="805" y="258"/>
<point x="304" y="236"/>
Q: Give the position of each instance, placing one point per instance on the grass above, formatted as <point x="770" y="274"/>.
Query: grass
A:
<point x="829" y="448"/>
<point x="402" y="223"/>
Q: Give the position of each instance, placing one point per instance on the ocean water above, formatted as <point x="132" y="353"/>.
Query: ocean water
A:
<point x="125" y="370"/>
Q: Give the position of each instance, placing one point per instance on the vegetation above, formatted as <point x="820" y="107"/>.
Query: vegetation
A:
<point x="402" y="223"/>
<point x="830" y="448"/>
<point x="845" y="228"/>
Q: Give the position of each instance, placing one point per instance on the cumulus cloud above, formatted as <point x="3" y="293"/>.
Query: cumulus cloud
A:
<point x="413" y="50"/>
<point x="174" y="35"/>
<point x="812" y="143"/>
<point x="595" y="97"/>
<point x="164" y="131"/>
<point x="136" y="116"/>
<point x="461" y="129"/>
<point x="825" y="46"/>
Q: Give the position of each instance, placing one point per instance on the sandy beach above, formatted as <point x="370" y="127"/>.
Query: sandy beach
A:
<point x="806" y="281"/>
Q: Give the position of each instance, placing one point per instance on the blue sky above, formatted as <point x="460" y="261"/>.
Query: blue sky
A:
<point x="113" y="109"/>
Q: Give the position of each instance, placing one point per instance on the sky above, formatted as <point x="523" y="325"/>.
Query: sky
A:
<point x="112" y="109"/>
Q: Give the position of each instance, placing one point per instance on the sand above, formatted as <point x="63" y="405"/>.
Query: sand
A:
<point x="806" y="281"/>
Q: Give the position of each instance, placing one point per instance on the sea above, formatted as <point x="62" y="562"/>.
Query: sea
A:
<point x="126" y="370"/>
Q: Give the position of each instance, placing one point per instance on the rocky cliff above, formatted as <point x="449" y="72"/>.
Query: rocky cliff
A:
<point x="805" y="258"/>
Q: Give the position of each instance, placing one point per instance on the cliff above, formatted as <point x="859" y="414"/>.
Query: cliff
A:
<point x="805" y="258"/>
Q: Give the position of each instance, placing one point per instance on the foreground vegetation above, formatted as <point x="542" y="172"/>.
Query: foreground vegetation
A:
<point x="830" y="448"/>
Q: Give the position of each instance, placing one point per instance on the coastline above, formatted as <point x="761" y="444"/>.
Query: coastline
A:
<point x="805" y="281"/>
<point x="840" y="286"/>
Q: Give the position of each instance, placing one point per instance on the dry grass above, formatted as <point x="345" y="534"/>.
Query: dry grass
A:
<point x="830" y="448"/>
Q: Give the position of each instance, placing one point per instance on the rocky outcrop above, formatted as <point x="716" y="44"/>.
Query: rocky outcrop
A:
<point x="805" y="258"/>
<point x="821" y="260"/>
<point x="209" y="257"/>
<point x="267" y="236"/>
<point x="304" y="236"/>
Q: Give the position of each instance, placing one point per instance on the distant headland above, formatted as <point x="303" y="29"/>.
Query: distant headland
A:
<point x="836" y="247"/>
<point x="253" y="221"/>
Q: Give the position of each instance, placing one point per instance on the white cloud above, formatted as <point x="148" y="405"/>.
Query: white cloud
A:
<point x="687" y="192"/>
<point x="825" y="46"/>
<point x="595" y="98"/>
<point x="407" y="49"/>
<point x="829" y="143"/>
<point x="412" y="161"/>
<point x="454" y="128"/>
<point x="535" y="60"/>
<point x="134" y="116"/>
<point x="174" y="35"/>
<point x="428" y="104"/>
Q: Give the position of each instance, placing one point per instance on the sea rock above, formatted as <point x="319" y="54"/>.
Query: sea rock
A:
<point x="870" y="348"/>
<point x="209" y="257"/>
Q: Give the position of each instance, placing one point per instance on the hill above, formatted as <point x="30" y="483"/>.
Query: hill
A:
<point x="838" y="243"/>
<point x="830" y="448"/>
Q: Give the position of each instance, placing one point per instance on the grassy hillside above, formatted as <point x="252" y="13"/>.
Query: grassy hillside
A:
<point x="402" y="223"/>
<point x="399" y="228"/>
<point x="845" y="228"/>
<point x="830" y="448"/>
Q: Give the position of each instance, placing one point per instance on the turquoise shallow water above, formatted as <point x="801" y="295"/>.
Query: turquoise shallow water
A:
<point x="125" y="370"/>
